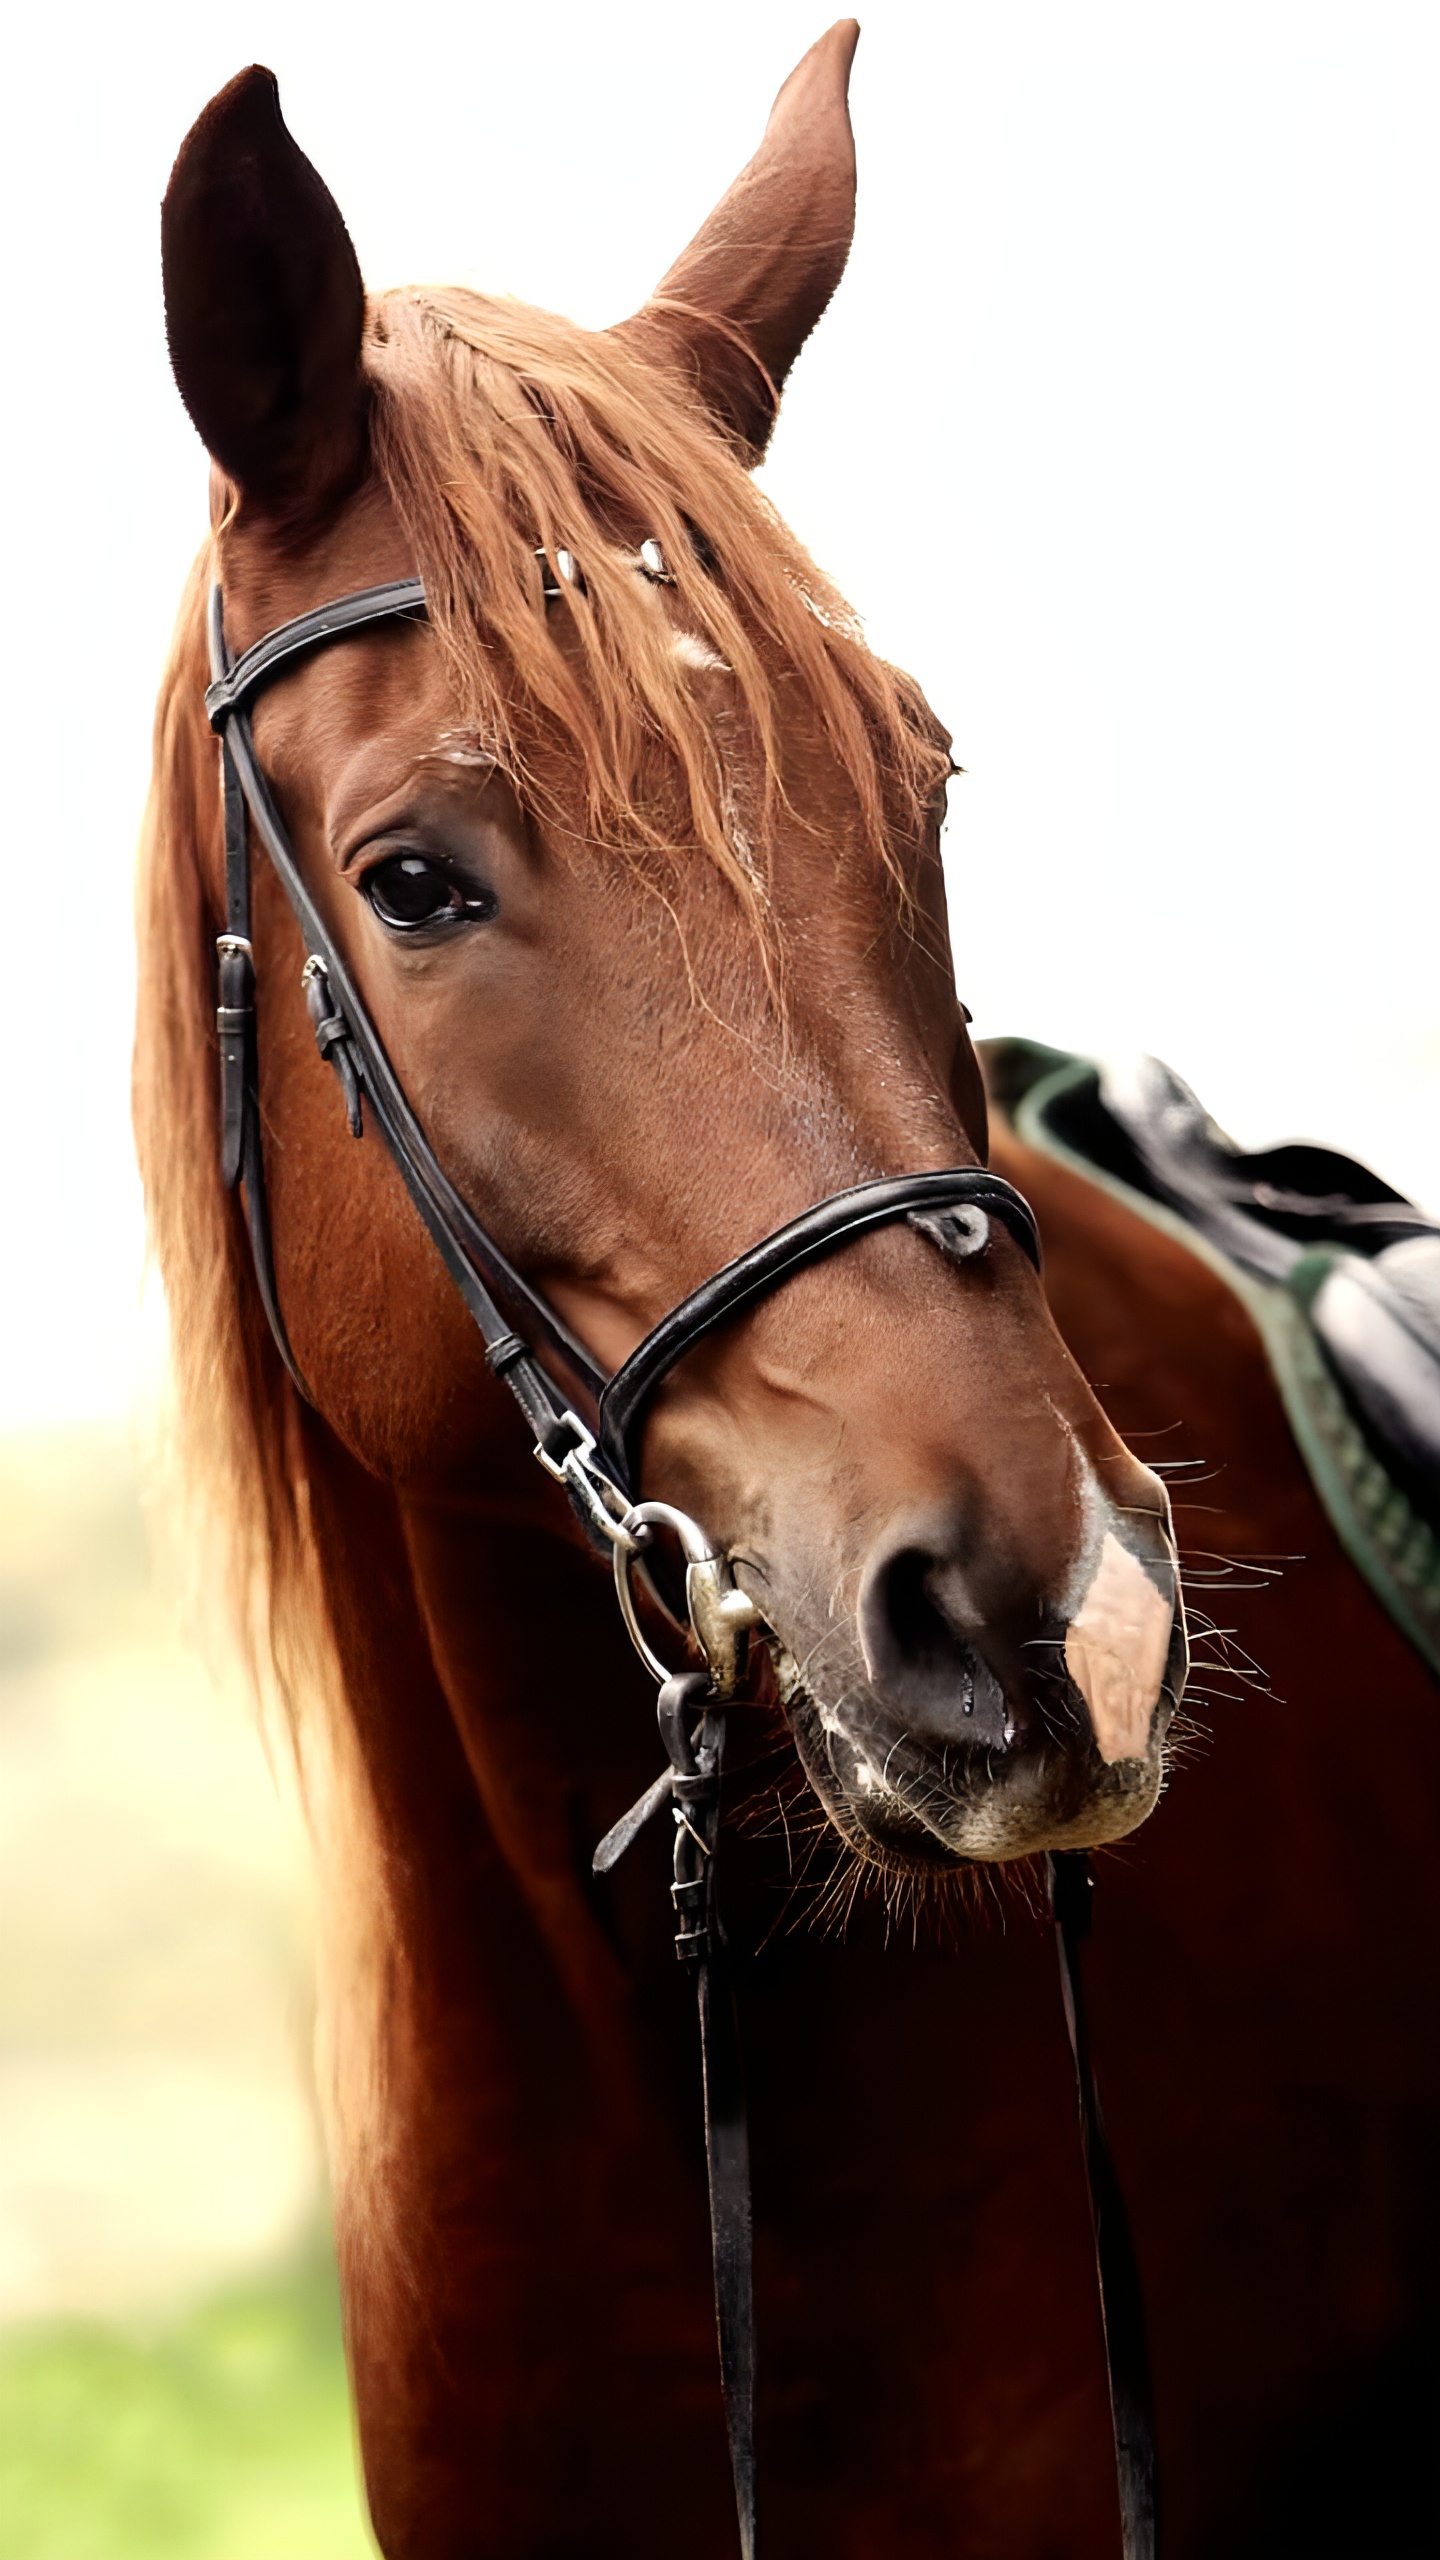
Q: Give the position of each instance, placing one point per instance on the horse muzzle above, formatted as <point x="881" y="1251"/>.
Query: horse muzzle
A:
<point x="935" y="1731"/>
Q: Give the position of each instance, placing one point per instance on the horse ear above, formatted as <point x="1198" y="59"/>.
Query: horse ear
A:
<point x="735" y="310"/>
<point x="264" y="306"/>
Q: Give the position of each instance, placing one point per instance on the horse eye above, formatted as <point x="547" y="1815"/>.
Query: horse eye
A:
<point x="407" y="890"/>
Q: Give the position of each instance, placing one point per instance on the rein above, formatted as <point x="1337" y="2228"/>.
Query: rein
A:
<point x="599" y="1470"/>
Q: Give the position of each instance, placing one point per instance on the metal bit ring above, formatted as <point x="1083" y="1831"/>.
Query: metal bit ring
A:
<point x="720" y="1614"/>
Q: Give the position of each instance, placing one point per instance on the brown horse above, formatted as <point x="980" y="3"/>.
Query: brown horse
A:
<point x="641" y="884"/>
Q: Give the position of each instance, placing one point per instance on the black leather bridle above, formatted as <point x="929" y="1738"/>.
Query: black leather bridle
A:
<point x="600" y="1471"/>
<point x="347" y="1037"/>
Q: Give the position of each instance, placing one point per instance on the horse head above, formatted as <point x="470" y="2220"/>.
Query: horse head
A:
<point x="633" y="851"/>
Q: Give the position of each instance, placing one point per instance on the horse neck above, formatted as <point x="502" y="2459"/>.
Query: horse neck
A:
<point x="497" y="1724"/>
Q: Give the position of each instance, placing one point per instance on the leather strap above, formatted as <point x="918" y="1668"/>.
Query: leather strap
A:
<point x="777" y="1257"/>
<point x="235" y="684"/>
<point x="732" y="2248"/>
<point x="471" y="1256"/>
<point x="235" y="989"/>
<point x="1122" y="2304"/>
<point x="241" y="1160"/>
<point x="692" y="1787"/>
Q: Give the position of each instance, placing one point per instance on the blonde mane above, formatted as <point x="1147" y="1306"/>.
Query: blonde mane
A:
<point x="496" y="429"/>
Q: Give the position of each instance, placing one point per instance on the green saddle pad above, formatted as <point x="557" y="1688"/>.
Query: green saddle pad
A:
<point x="1305" y="1238"/>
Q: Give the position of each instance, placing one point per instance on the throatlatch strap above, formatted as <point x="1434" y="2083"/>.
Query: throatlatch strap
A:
<point x="241" y="1160"/>
<point x="235" y="981"/>
<point x="1122" y="2305"/>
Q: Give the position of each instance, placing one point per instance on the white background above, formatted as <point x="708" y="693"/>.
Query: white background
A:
<point x="1122" y="433"/>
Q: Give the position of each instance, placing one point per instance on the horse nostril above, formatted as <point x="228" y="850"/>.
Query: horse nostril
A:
<point x="921" y="1663"/>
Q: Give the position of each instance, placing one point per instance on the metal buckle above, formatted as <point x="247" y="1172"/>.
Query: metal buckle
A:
<point x="582" y="1475"/>
<point x="582" y="1446"/>
<point x="721" y="1615"/>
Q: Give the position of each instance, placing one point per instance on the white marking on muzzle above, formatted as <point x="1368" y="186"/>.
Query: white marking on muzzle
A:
<point x="1116" y="1648"/>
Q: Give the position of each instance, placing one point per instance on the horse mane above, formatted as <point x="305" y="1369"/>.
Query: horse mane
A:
<point x="234" y="1419"/>
<point x="499" y="429"/>
<point x="234" y="1471"/>
<point x="496" y="429"/>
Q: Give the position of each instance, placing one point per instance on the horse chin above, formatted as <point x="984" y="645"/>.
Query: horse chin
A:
<point x="908" y="1807"/>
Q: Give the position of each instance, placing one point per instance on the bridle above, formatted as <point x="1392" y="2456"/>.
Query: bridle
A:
<point x="599" y="1470"/>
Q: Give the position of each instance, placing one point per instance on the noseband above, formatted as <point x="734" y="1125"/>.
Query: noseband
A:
<point x="599" y="1468"/>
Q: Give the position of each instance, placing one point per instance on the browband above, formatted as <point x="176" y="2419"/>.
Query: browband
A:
<point x="237" y="687"/>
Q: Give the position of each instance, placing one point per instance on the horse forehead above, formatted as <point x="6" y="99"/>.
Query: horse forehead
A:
<point x="366" y="715"/>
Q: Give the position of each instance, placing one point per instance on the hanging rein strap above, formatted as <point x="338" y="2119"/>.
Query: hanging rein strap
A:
<point x="692" y="1728"/>
<point x="1122" y="2305"/>
<point x="696" y="1751"/>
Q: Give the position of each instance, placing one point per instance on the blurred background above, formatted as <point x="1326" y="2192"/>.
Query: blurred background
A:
<point x="171" y="2378"/>
<point x="1120" y="434"/>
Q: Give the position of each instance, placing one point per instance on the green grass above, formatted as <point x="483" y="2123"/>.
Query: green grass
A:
<point x="224" y="2435"/>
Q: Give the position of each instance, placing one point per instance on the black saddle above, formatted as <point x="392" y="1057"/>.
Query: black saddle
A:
<point x="1360" y="1258"/>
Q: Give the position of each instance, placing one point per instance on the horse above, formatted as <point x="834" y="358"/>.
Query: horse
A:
<point x="631" y="848"/>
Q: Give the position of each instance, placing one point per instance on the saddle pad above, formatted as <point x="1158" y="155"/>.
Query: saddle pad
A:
<point x="1340" y="1274"/>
